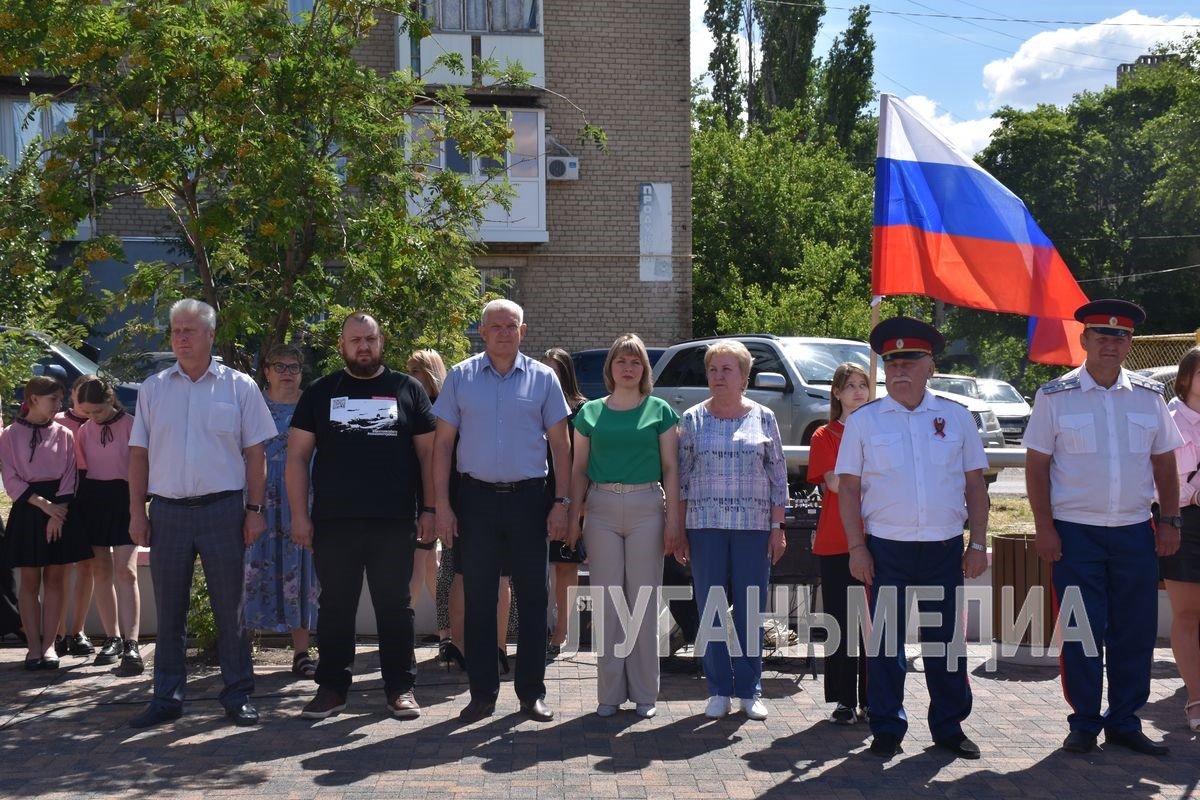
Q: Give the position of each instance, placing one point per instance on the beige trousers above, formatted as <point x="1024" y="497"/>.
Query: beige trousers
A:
<point x="623" y="534"/>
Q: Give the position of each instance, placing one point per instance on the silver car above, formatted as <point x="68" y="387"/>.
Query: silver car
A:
<point x="791" y="375"/>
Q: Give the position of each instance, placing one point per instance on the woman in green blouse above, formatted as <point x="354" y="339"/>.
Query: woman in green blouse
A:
<point x="625" y="466"/>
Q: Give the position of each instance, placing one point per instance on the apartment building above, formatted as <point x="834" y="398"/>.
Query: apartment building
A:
<point x="595" y="244"/>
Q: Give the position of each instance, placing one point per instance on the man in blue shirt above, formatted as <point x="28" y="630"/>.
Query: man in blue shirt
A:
<point x="503" y="406"/>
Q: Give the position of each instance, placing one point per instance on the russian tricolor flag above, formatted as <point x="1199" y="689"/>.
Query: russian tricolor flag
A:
<point x="947" y="229"/>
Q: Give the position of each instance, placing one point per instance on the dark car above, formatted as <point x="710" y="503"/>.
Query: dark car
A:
<point x="65" y="363"/>
<point x="589" y="369"/>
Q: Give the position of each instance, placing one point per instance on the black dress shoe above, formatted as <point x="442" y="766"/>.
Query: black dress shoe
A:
<point x="537" y="710"/>
<point x="477" y="710"/>
<point x="155" y="715"/>
<point x="243" y="716"/>
<point x="885" y="745"/>
<point x="1137" y="742"/>
<point x="959" y="745"/>
<point x="1079" y="742"/>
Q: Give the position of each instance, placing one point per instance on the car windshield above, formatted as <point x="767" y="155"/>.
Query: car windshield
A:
<point x="816" y="361"/>
<point x="1000" y="393"/>
<point x="77" y="359"/>
<point x="962" y="386"/>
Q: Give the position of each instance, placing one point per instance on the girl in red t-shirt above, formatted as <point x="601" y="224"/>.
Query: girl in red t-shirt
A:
<point x="845" y="675"/>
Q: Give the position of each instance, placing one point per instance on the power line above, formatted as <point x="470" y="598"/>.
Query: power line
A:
<point x="1136" y="275"/>
<point x="987" y="19"/>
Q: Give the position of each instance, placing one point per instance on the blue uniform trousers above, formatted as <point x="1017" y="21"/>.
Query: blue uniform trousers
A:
<point x="1116" y="573"/>
<point x="900" y="566"/>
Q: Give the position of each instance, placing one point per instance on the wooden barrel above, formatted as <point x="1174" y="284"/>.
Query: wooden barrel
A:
<point x="1017" y="573"/>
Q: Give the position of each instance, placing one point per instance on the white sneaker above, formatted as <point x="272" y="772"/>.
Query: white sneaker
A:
<point x="646" y="710"/>
<point x="754" y="708"/>
<point x="718" y="707"/>
<point x="605" y="710"/>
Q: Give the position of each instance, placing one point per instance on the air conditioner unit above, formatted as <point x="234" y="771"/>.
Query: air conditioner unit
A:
<point x="562" y="168"/>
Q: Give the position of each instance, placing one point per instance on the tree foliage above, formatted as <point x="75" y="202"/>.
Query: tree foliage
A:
<point x="295" y="177"/>
<point x="723" y="19"/>
<point x="788" y="35"/>
<point x="846" y="79"/>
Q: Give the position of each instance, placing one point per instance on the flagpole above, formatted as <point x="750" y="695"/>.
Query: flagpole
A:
<point x="875" y="303"/>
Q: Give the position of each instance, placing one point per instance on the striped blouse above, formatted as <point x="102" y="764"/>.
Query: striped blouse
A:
<point x="731" y="471"/>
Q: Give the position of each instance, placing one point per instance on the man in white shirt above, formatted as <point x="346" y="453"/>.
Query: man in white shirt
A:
<point x="1099" y="441"/>
<point x="196" y="450"/>
<point x="911" y="472"/>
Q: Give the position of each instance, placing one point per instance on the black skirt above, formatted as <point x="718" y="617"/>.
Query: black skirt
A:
<point x="1185" y="564"/>
<point x="10" y="617"/>
<point x="25" y="536"/>
<point x="100" y="511"/>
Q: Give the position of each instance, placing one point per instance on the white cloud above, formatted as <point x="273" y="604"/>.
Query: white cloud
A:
<point x="970" y="135"/>
<point x="1054" y="65"/>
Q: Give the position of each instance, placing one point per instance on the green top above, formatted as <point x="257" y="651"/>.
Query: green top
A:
<point x="624" y="444"/>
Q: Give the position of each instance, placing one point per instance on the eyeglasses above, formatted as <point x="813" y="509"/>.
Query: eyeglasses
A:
<point x="289" y="369"/>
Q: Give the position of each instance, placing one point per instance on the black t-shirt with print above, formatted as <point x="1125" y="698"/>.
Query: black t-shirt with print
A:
<point x="365" y="465"/>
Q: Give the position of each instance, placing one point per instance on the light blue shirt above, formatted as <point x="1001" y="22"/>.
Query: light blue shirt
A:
<point x="194" y="431"/>
<point x="501" y="419"/>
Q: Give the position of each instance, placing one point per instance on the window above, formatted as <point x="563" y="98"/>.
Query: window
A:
<point x="521" y="163"/>
<point x="21" y="123"/>
<point x="685" y="369"/>
<point x="765" y="360"/>
<point x="298" y="7"/>
<point x="482" y="16"/>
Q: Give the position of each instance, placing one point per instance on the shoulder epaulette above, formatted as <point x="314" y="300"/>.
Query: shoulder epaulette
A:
<point x="1147" y="383"/>
<point x="1060" y="385"/>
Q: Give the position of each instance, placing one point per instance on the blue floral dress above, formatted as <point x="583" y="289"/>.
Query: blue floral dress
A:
<point x="281" y="588"/>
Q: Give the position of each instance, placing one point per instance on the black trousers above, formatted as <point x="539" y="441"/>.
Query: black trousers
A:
<point x="343" y="550"/>
<point x="684" y="611"/>
<point x="509" y="528"/>
<point x="845" y="675"/>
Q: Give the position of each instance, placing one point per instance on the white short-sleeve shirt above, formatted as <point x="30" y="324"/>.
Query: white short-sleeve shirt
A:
<point x="913" y="466"/>
<point x="1100" y="442"/>
<point x="195" y="431"/>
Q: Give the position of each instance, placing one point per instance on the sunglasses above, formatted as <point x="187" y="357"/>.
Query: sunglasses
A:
<point x="289" y="369"/>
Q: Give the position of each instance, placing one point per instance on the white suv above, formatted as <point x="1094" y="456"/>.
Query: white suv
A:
<point x="790" y="375"/>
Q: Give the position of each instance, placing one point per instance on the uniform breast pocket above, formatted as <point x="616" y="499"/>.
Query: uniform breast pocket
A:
<point x="945" y="450"/>
<point x="1142" y="430"/>
<point x="1078" y="433"/>
<point x="885" y="451"/>
<point x="223" y="418"/>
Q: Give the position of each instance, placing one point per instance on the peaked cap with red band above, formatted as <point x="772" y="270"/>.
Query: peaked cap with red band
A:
<point x="1111" y="317"/>
<point x="905" y="337"/>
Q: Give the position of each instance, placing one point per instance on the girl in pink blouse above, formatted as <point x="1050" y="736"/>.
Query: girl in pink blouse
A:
<point x="101" y="511"/>
<point x="78" y="580"/>
<point x="37" y="463"/>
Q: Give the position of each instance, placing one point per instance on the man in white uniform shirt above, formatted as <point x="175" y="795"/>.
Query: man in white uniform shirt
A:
<point x="911" y="472"/>
<point x="196" y="450"/>
<point x="1099" y="441"/>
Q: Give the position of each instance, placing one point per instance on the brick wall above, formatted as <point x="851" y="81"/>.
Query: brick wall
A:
<point x="626" y="64"/>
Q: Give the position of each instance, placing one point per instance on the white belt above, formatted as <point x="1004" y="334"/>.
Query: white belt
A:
<point x="625" y="488"/>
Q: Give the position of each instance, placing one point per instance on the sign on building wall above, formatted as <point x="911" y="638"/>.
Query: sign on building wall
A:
<point x="654" y="231"/>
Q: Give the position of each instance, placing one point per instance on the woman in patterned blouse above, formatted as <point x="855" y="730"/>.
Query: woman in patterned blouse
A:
<point x="733" y="489"/>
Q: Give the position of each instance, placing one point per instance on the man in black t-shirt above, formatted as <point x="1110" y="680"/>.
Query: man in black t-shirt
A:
<point x="371" y="430"/>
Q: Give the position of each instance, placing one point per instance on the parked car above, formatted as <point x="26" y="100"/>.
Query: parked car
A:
<point x="147" y="364"/>
<point x="1164" y="375"/>
<point x="1011" y="408"/>
<point x="589" y="369"/>
<point x="791" y="375"/>
<point x="965" y="385"/>
<point x="70" y="364"/>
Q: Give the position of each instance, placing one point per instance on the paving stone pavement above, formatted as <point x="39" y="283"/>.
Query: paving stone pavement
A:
<point x="64" y="734"/>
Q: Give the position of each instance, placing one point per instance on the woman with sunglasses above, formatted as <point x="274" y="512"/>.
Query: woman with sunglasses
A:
<point x="281" y="588"/>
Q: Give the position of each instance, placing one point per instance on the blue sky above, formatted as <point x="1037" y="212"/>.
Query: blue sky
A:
<point x="958" y="71"/>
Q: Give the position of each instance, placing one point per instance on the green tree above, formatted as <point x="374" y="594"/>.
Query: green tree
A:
<point x="295" y="177"/>
<point x="723" y="19"/>
<point x="846" y="78"/>
<point x="788" y="34"/>
<point x="782" y="233"/>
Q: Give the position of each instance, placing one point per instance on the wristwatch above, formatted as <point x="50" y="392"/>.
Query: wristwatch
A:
<point x="1176" y="520"/>
<point x="977" y="546"/>
<point x="563" y="501"/>
<point x="255" y="508"/>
